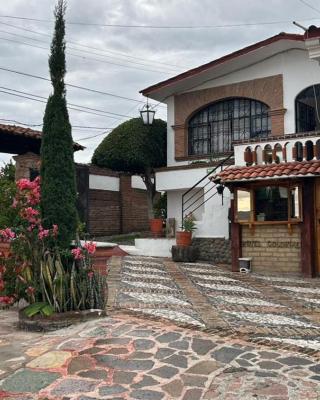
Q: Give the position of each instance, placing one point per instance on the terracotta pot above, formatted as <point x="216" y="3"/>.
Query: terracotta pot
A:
<point x="183" y="238"/>
<point x="5" y="249"/>
<point x="156" y="227"/>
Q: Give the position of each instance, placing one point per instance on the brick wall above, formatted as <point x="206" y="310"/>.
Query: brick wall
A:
<point x="104" y="212"/>
<point x="273" y="249"/>
<point x="25" y="163"/>
<point x="134" y="207"/>
<point x="269" y="90"/>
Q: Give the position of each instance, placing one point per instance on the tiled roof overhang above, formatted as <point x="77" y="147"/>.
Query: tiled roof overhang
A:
<point x="202" y="68"/>
<point x="303" y="169"/>
<point x="17" y="140"/>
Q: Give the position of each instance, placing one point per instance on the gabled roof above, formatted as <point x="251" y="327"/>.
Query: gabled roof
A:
<point x="149" y="91"/>
<point x="17" y="140"/>
<point x="293" y="169"/>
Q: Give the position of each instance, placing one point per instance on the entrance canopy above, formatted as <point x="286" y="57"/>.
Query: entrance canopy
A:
<point x="287" y="170"/>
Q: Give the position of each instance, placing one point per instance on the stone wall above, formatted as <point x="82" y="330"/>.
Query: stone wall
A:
<point x="215" y="250"/>
<point x="273" y="248"/>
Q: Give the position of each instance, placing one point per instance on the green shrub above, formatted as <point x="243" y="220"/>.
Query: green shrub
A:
<point x="8" y="214"/>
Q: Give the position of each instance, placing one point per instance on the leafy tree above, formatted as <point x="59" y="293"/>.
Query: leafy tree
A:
<point x="58" y="182"/>
<point x="8" y="214"/>
<point x="137" y="149"/>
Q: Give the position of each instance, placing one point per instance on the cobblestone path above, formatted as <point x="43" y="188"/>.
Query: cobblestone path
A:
<point x="277" y="311"/>
<point x="133" y="358"/>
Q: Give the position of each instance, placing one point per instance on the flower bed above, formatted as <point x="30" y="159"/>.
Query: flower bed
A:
<point x="50" y="279"/>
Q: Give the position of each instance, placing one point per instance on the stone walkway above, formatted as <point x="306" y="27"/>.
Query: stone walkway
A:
<point x="175" y="331"/>
<point x="278" y="311"/>
<point x="132" y="358"/>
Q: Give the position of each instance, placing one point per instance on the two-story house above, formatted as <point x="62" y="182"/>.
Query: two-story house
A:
<point x="259" y="105"/>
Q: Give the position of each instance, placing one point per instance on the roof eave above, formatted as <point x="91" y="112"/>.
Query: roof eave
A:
<point x="202" y="68"/>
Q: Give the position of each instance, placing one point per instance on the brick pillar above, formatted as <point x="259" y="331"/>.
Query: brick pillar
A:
<point x="284" y="153"/>
<point x="26" y="162"/>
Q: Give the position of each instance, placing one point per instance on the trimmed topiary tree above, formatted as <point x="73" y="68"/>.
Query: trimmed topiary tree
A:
<point x="58" y="179"/>
<point x="137" y="149"/>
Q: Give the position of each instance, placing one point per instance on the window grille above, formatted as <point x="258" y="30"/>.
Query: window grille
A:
<point x="213" y="129"/>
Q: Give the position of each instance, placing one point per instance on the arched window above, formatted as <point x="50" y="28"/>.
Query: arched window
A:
<point x="213" y="129"/>
<point x="308" y="109"/>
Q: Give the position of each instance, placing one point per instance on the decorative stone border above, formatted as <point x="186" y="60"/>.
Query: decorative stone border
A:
<point x="39" y="323"/>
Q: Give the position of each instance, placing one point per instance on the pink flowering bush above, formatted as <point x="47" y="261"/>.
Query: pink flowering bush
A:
<point x="37" y="270"/>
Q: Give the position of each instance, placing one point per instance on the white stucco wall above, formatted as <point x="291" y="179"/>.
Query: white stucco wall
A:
<point x="239" y="149"/>
<point x="211" y="217"/>
<point x="137" y="182"/>
<point x="101" y="182"/>
<point x="298" y="72"/>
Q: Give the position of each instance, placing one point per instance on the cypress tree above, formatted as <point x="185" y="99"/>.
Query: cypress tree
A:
<point x="58" y="182"/>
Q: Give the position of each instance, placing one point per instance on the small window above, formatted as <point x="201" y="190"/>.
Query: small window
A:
<point x="244" y="204"/>
<point x="271" y="203"/>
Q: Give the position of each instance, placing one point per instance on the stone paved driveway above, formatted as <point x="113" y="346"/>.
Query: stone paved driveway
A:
<point x="133" y="358"/>
<point x="276" y="311"/>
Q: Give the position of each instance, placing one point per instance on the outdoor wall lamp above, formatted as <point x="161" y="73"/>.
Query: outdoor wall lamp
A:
<point x="147" y="115"/>
<point x="220" y="188"/>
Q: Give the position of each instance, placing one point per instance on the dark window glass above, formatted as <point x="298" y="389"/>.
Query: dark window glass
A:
<point x="308" y="109"/>
<point x="34" y="173"/>
<point x="213" y="129"/>
<point x="271" y="203"/>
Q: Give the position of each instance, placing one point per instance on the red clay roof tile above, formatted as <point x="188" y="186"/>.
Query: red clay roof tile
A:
<point x="27" y="132"/>
<point x="283" y="170"/>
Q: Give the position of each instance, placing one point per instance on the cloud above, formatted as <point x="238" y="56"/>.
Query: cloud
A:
<point x="159" y="49"/>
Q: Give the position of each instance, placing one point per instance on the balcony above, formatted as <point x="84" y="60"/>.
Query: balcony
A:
<point x="297" y="147"/>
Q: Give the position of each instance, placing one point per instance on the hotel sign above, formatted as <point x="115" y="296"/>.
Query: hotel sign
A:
<point x="271" y="244"/>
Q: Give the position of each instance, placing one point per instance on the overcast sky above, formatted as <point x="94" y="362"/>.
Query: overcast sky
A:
<point x="123" y="61"/>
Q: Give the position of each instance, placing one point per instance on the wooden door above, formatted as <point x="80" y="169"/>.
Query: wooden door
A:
<point x="317" y="225"/>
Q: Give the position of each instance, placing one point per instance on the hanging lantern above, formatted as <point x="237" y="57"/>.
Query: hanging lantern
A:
<point x="147" y="114"/>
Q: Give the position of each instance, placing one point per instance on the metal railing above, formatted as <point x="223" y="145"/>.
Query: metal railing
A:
<point x="202" y="190"/>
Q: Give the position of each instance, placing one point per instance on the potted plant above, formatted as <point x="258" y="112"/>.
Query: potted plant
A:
<point x="184" y="237"/>
<point x="156" y="224"/>
<point x="160" y="214"/>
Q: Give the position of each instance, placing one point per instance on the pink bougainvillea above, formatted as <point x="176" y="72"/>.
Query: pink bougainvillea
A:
<point x="90" y="247"/>
<point x="77" y="253"/>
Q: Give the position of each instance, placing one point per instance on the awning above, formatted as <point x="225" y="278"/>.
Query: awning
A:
<point x="294" y="169"/>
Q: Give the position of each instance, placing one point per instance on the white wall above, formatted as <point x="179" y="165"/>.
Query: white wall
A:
<point x="298" y="73"/>
<point x="180" y="179"/>
<point x="211" y="218"/>
<point x="101" y="182"/>
<point x="137" y="182"/>
<point x="239" y="149"/>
